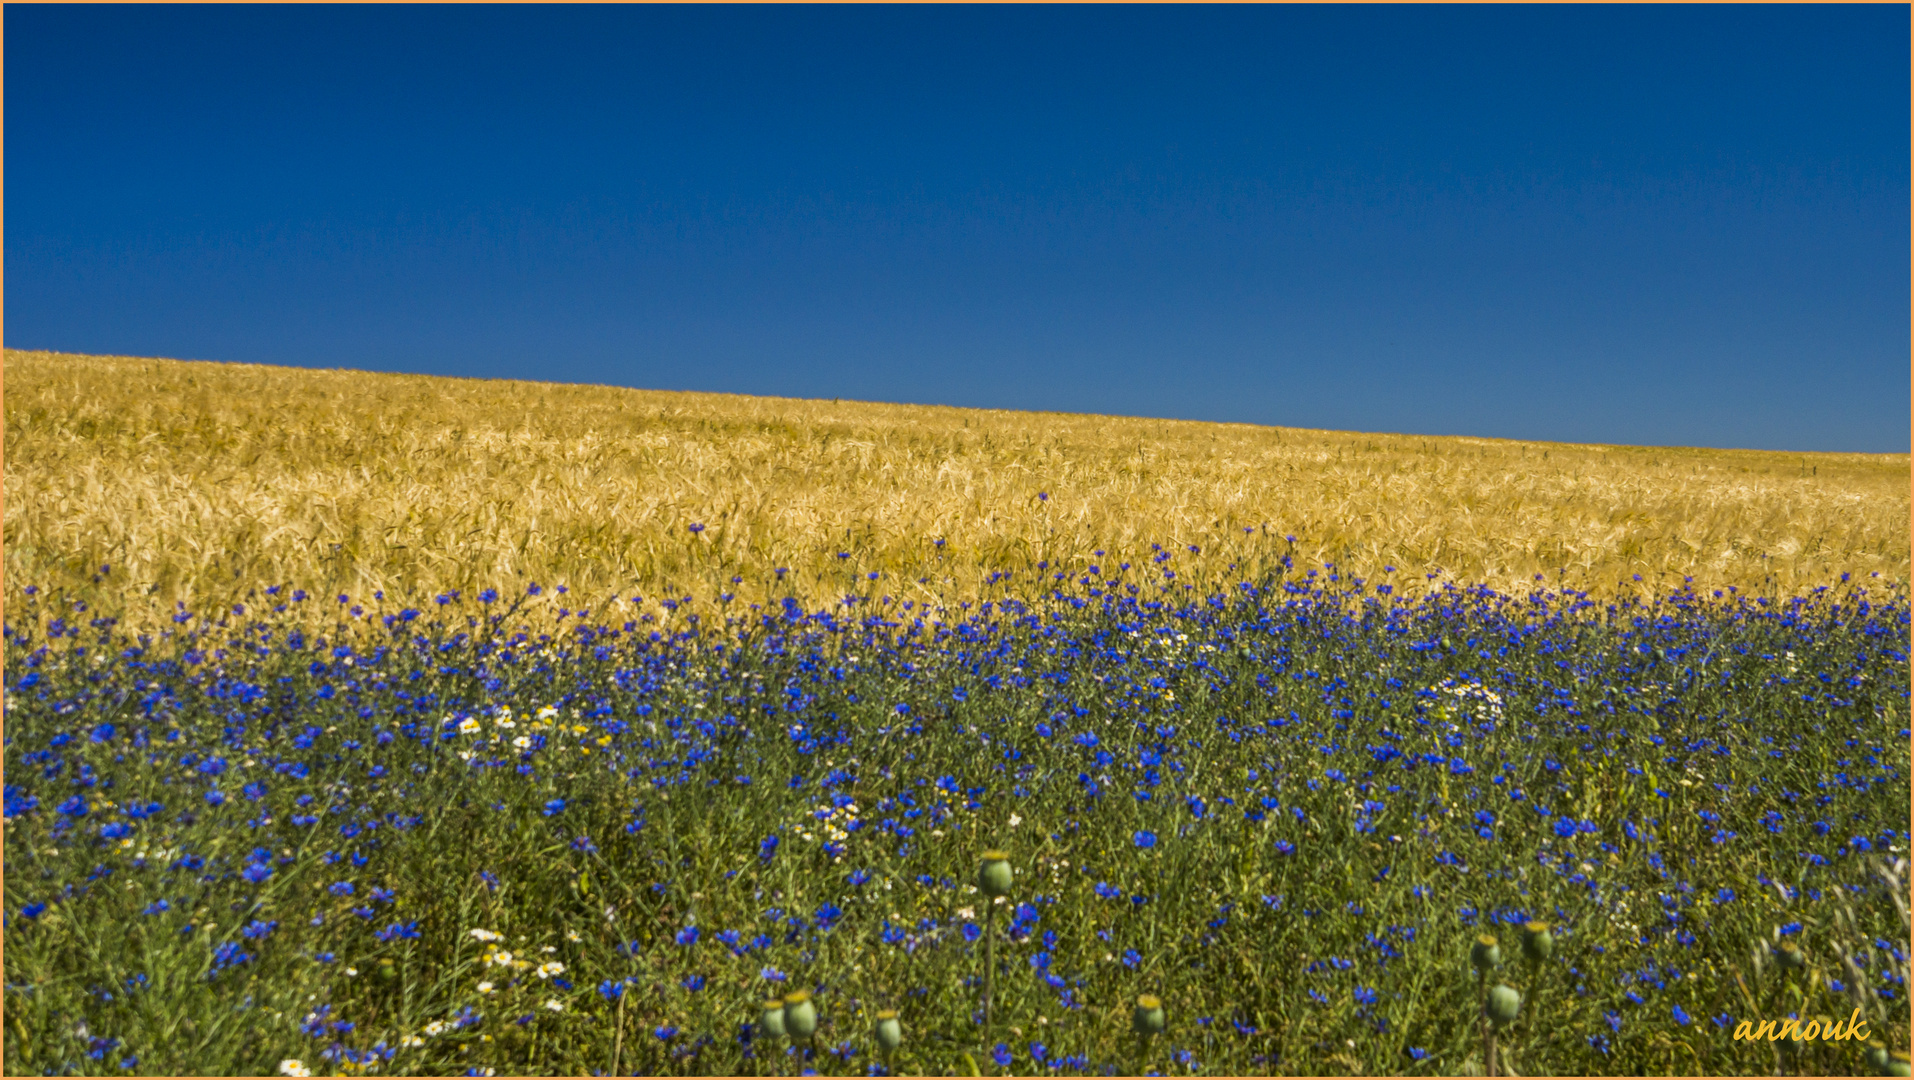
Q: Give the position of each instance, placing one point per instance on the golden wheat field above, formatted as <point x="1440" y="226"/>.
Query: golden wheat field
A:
<point x="195" y="481"/>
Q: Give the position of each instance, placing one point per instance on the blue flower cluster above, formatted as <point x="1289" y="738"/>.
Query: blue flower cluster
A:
<point x="1296" y="799"/>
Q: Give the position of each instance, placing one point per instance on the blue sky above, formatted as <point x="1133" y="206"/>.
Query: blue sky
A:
<point x="1648" y="225"/>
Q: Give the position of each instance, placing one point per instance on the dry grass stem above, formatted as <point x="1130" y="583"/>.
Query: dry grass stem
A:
<point x="194" y="479"/>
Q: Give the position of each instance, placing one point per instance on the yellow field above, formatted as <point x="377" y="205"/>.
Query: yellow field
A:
<point x="193" y="479"/>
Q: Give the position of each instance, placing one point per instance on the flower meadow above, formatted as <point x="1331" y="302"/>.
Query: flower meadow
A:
<point x="1103" y="821"/>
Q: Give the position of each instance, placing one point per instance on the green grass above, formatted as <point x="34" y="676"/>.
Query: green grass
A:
<point x="1702" y="742"/>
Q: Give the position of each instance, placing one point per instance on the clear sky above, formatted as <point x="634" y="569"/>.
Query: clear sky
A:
<point x="1640" y="224"/>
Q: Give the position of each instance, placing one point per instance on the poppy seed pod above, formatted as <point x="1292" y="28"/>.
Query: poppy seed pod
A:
<point x="1485" y="953"/>
<point x="1148" y="1018"/>
<point x="890" y="1031"/>
<point x="800" y="1016"/>
<point x="1504" y="1003"/>
<point x="1789" y="956"/>
<point x="1897" y="1064"/>
<point x="993" y="878"/>
<point x="1876" y="1055"/>
<point x="1537" y="943"/>
<point x="771" y="1019"/>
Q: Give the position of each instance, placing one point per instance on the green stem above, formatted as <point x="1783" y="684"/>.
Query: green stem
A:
<point x="990" y="960"/>
<point x="1535" y="1009"/>
<point x="1482" y="1021"/>
<point x="618" y="1041"/>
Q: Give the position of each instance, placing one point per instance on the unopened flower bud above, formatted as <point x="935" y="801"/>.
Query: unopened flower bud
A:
<point x="1537" y="943"/>
<point x="771" y="1019"/>
<point x="800" y="1016"/>
<point x="1485" y="953"/>
<point x="1504" y="1003"/>
<point x="1148" y="1018"/>
<point x="993" y="878"/>
<point x="1876" y="1055"/>
<point x="890" y="1031"/>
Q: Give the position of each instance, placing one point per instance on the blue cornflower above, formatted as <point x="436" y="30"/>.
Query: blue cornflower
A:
<point x="229" y="954"/>
<point x="554" y="807"/>
<point x="1001" y="1055"/>
<point x="1145" y="838"/>
<point x="1681" y="1016"/>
